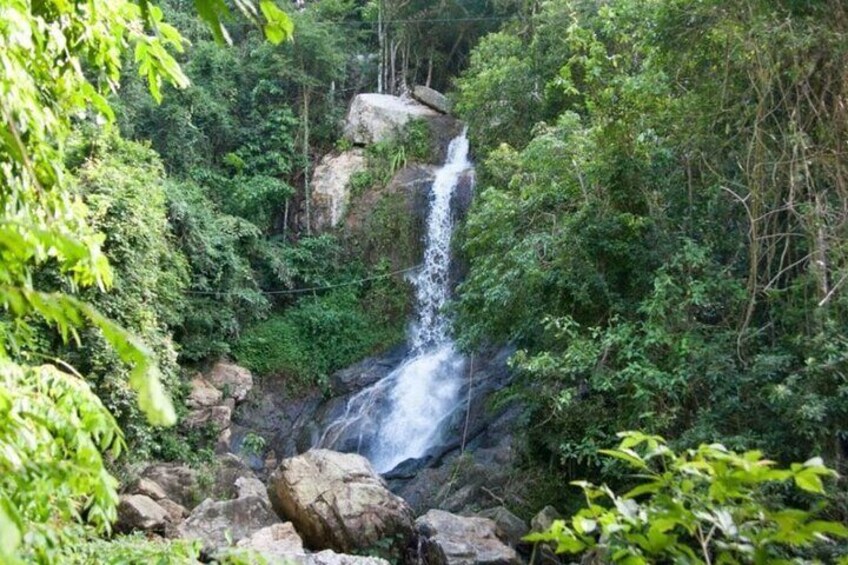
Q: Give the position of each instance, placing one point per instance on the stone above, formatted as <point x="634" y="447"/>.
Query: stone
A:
<point x="380" y="117"/>
<point x="330" y="557"/>
<point x="234" y="381"/>
<point x="337" y="501"/>
<point x="276" y="543"/>
<point x="542" y="521"/>
<point x="216" y="523"/>
<point x="147" y="488"/>
<point x="509" y="527"/>
<point x="247" y="486"/>
<point x="229" y="470"/>
<point x="203" y="394"/>
<point x="331" y="188"/>
<point x="448" y="539"/>
<point x="219" y="417"/>
<point x="222" y="444"/>
<point x="178" y="481"/>
<point x="356" y="377"/>
<point x="432" y="98"/>
<point x="140" y="512"/>
<point x="280" y="544"/>
<point x="176" y="511"/>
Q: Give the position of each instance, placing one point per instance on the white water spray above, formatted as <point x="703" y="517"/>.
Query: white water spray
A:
<point x="403" y="415"/>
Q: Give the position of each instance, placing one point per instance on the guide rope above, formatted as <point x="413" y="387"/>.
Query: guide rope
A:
<point x="310" y="289"/>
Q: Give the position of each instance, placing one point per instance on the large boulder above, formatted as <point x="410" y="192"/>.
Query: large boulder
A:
<point x="228" y="471"/>
<point x="218" y="417"/>
<point x="336" y="501"/>
<point x="277" y="543"/>
<point x="140" y="512"/>
<point x="448" y="539"/>
<point x="217" y="523"/>
<point x="331" y="187"/>
<point x="544" y="519"/>
<point x="330" y="557"/>
<point x="148" y="488"/>
<point x="203" y="393"/>
<point x="178" y="481"/>
<point x="280" y="544"/>
<point x="508" y="527"/>
<point x="432" y="98"/>
<point x="234" y="381"/>
<point x="378" y="117"/>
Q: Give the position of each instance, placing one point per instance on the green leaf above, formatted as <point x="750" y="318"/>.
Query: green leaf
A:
<point x="809" y="481"/>
<point x="279" y="26"/>
<point x="212" y="12"/>
<point x="627" y="455"/>
<point x="10" y="533"/>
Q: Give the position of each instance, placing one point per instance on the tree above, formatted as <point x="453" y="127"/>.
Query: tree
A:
<point x="53" y="430"/>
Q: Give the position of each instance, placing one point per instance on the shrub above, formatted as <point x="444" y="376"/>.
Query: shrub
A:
<point x="705" y="505"/>
<point x="313" y="338"/>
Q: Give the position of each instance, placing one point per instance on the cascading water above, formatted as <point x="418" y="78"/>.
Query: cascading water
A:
<point x="403" y="415"/>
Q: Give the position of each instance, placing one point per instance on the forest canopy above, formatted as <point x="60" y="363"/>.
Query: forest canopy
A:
<point x="658" y="230"/>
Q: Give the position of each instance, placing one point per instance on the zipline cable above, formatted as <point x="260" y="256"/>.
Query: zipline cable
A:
<point x="311" y="289"/>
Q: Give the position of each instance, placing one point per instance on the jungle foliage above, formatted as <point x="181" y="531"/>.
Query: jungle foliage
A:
<point x="55" y="433"/>
<point x="661" y="224"/>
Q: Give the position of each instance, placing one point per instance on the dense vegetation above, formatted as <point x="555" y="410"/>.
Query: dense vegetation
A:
<point x="660" y="228"/>
<point x="661" y="223"/>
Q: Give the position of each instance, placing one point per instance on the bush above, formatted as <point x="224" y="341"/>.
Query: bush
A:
<point x="313" y="338"/>
<point x="705" y="505"/>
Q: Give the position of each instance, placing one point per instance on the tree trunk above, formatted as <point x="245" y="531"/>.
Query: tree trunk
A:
<point x="381" y="64"/>
<point x="392" y="61"/>
<point x="306" y="195"/>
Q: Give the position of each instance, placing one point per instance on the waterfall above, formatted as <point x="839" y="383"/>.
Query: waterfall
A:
<point x="404" y="414"/>
<point x="432" y="284"/>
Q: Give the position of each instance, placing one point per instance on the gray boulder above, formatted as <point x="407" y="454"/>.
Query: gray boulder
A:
<point x="330" y="557"/>
<point x="331" y="187"/>
<point x="218" y="417"/>
<point x="234" y="381"/>
<point x="544" y="519"/>
<point x="147" y="488"/>
<point x="178" y="481"/>
<point x="176" y="512"/>
<point x="432" y="98"/>
<point x="378" y="117"/>
<point x="336" y="501"/>
<point x="277" y="543"/>
<point x="508" y="527"/>
<point x="247" y="486"/>
<point x="140" y="512"/>
<point x="280" y="544"/>
<point x="218" y="523"/>
<point x="203" y="393"/>
<point x="448" y="539"/>
<point x="228" y="471"/>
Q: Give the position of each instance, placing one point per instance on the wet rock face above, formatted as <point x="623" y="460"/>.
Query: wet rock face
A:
<point x="448" y="539"/>
<point x="336" y="501"/>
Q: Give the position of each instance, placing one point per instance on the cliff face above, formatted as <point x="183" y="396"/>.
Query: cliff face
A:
<point x="337" y="183"/>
